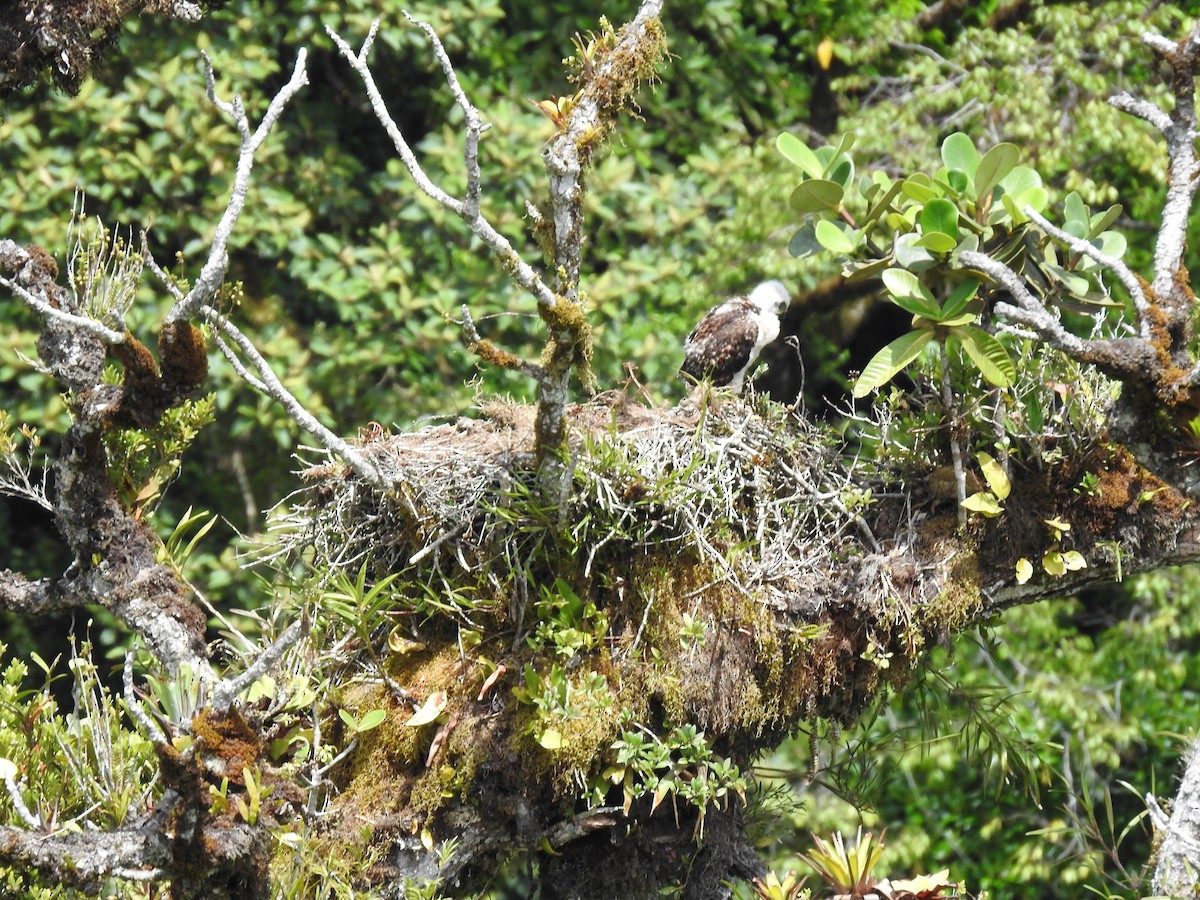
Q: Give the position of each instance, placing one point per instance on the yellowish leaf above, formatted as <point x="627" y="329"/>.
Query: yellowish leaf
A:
<point x="983" y="503"/>
<point x="429" y="710"/>
<point x="400" y="644"/>
<point x="1024" y="570"/>
<point x="993" y="474"/>
<point x="1073" y="561"/>
<point x="551" y="739"/>
<point x="1052" y="562"/>
<point x="825" y="54"/>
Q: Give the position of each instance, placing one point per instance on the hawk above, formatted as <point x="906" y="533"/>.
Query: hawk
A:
<point x="726" y="344"/>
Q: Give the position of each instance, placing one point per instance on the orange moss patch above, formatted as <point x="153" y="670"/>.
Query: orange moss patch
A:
<point x="228" y="739"/>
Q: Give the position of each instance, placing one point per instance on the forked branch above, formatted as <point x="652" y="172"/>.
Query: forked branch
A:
<point x="213" y="271"/>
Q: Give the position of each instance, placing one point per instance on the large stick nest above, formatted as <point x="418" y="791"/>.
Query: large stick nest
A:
<point x="760" y="501"/>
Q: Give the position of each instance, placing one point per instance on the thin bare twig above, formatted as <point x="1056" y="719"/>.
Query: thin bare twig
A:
<point x="467" y="209"/>
<point x="213" y="272"/>
<point x="227" y="690"/>
<point x="272" y="387"/>
<point x="136" y="710"/>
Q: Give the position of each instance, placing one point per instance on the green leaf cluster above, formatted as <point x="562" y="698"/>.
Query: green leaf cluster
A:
<point x="911" y="233"/>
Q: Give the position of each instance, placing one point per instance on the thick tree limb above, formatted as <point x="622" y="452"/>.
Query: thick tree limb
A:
<point x="1177" y="873"/>
<point x="66" y="39"/>
<point x="19" y="594"/>
<point x="149" y="851"/>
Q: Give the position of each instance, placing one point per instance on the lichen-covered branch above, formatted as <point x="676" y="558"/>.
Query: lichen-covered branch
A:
<point x="467" y="209"/>
<point x="493" y="355"/>
<point x="1178" y="127"/>
<point x="608" y="78"/>
<point x="1029" y="311"/>
<point x="227" y="690"/>
<point x="1134" y="285"/>
<point x="34" y="285"/>
<point x="21" y="595"/>
<point x="270" y="385"/>
<point x="1177" y="873"/>
<point x="213" y="272"/>
<point x="612" y="66"/>
<point x="146" y="852"/>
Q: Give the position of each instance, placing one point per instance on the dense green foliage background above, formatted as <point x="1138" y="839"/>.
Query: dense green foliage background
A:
<point x="352" y="281"/>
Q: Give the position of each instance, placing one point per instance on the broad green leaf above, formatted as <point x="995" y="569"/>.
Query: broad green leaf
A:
<point x="832" y="238"/>
<point x="857" y="271"/>
<point x="1076" y="284"/>
<point x="910" y="255"/>
<point x="996" y="165"/>
<point x="843" y="173"/>
<point x="817" y="195"/>
<point x="868" y="189"/>
<point x="1020" y="179"/>
<point x="969" y="243"/>
<point x="890" y="360"/>
<point x="804" y="241"/>
<point x="1074" y="209"/>
<point x="967" y="317"/>
<point x="988" y="354"/>
<point x="936" y="242"/>
<point x="1035" y="197"/>
<point x="798" y="153"/>
<point x="1015" y="212"/>
<point x="918" y="191"/>
<point x="551" y="739"/>
<point x="923" y="317"/>
<point x="845" y="142"/>
<point x="940" y="215"/>
<point x="958" y="152"/>
<point x="958" y="300"/>
<point x="1024" y="570"/>
<point x="1112" y="243"/>
<point x="1101" y="221"/>
<point x="1076" y="229"/>
<point x="914" y="299"/>
<point x="959" y="182"/>
<point x="984" y="503"/>
<point x="902" y="283"/>
<point x="993" y="474"/>
<point x="373" y="719"/>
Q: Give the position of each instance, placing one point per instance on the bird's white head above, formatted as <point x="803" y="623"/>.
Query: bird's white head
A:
<point x="771" y="297"/>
